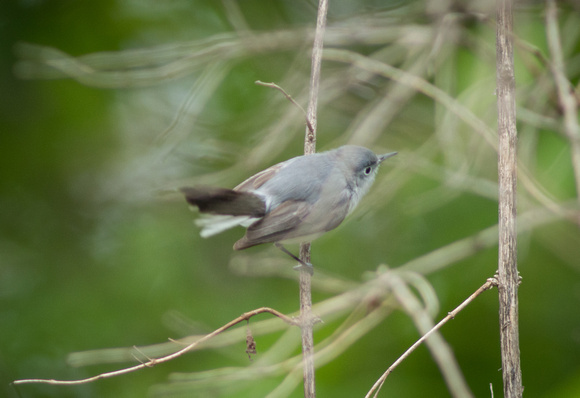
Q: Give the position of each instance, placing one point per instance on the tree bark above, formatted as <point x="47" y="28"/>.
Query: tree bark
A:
<point x="508" y="277"/>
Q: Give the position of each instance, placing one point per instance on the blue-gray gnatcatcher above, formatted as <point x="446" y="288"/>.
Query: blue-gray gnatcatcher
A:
<point x="291" y="202"/>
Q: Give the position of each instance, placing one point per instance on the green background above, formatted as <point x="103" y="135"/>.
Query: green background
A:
<point x="97" y="252"/>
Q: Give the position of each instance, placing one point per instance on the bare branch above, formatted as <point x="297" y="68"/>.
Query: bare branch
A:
<point x="440" y="350"/>
<point x="155" y="361"/>
<point x="307" y="323"/>
<point x="508" y="277"/>
<point x="289" y="98"/>
<point x="490" y="283"/>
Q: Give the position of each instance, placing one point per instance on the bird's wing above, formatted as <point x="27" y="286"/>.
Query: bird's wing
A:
<point x="276" y="225"/>
<point x="297" y="220"/>
<point x="259" y="179"/>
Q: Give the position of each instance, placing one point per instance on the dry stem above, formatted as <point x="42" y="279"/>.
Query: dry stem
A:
<point x="508" y="277"/>
<point x="155" y="361"/>
<point x="491" y="282"/>
<point x="289" y="98"/>
<point x="306" y="317"/>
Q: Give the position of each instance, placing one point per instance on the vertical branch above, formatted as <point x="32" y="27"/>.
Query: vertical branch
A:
<point x="309" y="148"/>
<point x="307" y="325"/>
<point x="508" y="277"/>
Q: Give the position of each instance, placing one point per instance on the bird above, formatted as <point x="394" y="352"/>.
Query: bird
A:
<point x="294" y="201"/>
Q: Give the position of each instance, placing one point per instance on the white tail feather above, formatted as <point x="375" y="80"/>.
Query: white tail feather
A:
<point x="214" y="224"/>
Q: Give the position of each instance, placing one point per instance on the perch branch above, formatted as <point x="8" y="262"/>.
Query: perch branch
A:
<point x="307" y="320"/>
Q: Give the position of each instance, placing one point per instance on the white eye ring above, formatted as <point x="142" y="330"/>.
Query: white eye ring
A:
<point x="368" y="170"/>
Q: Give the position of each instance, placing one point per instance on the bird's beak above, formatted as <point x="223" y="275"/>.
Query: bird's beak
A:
<point x="386" y="156"/>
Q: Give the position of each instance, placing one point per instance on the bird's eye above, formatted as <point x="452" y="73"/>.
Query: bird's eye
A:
<point x="368" y="170"/>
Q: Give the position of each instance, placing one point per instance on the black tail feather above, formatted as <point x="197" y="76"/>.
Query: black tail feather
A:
<point x="225" y="201"/>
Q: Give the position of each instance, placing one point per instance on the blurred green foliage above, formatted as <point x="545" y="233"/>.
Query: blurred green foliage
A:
<point x="97" y="252"/>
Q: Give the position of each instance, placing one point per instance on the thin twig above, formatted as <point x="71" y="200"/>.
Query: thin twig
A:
<point x="289" y="98"/>
<point x="440" y="350"/>
<point x="155" y="361"/>
<point x="490" y="283"/>
<point x="309" y="148"/>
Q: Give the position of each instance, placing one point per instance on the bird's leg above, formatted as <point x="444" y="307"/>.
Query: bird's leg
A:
<point x="303" y="265"/>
